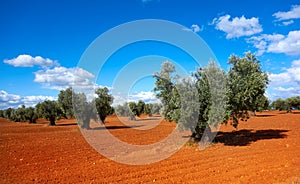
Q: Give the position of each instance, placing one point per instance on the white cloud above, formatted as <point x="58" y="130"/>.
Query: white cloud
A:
<point x="25" y="60"/>
<point x="294" y="13"/>
<point x="289" y="45"/>
<point x="237" y="27"/>
<point x="146" y="96"/>
<point x="14" y="101"/>
<point x="277" y="43"/>
<point x="287" y="83"/>
<point x="194" y="28"/>
<point x="288" y="22"/>
<point x="61" y="78"/>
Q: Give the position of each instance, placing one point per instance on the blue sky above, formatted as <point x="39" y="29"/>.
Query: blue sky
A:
<point x="41" y="42"/>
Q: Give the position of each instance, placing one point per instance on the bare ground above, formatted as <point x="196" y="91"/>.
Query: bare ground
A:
<point x="265" y="149"/>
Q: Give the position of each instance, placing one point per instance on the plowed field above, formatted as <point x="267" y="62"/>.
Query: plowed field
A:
<point x="265" y="149"/>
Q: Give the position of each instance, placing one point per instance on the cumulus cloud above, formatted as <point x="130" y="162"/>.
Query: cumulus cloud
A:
<point x="294" y="13"/>
<point x="61" y="78"/>
<point x="146" y="96"/>
<point x="238" y="26"/>
<point x="14" y="101"/>
<point x="277" y="43"/>
<point x="287" y="83"/>
<point x="25" y="60"/>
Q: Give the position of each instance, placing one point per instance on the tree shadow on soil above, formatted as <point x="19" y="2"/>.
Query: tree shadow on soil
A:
<point x="247" y="136"/>
<point x="115" y="127"/>
<point x="264" y="115"/>
<point x="65" y="124"/>
<point x="147" y="119"/>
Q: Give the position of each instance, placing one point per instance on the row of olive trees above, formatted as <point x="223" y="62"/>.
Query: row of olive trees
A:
<point x="286" y="104"/>
<point x="20" y="114"/>
<point x="211" y="96"/>
<point x="63" y="107"/>
<point x="133" y="109"/>
<point x="71" y="104"/>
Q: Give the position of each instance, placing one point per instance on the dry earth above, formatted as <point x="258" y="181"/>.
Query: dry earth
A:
<point x="265" y="149"/>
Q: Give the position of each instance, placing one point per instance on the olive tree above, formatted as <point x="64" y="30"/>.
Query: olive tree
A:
<point x="246" y="86"/>
<point x="31" y="115"/>
<point x="18" y="115"/>
<point x="49" y="110"/>
<point x="166" y="91"/>
<point x="293" y="103"/>
<point x="210" y="83"/>
<point x="84" y="111"/>
<point x="103" y="103"/>
<point x="65" y="102"/>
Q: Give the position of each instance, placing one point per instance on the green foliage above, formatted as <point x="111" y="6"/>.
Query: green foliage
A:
<point x="1" y="113"/>
<point x="280" y="104"/>
<point x="246" y="86"/>
<point x="8" y="113"/>
<point x="31" y="115"/>
<point x="65" y="102"/>
<point x="103" y="103"/>
<point x="141" y="107"/>
<point x="83" y="110"/>
<point x="211" y="86"/>
<point x="147" y="109"/>
<point x="18" y="115"/>
<point x="293" y="102"/>
<point x="123" y="110"/>
<point x="155" y="108"/>
<point x="49" y="110"/>
<point x="166" y="91"/>
<point x="134" y="110"/>
<point x="287" y="104"/>
<point x="263" y="103"/>
<point x="187" y="115"/>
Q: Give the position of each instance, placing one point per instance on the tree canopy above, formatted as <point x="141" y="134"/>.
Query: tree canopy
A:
<point x="65" y="102"/>
<point x="103" y="103"/>
<point x="246" y="84"/>
<point x="49" y="110"/>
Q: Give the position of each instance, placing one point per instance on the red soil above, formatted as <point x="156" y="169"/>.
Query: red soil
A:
<point x="265" y="149"/>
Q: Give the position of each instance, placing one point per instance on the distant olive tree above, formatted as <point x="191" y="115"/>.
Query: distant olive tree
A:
<point x="49" y="110"/>
<point x="147" y="109"/>
<point x="155" y="108"/>
<point x="84" y="111"/>
<point x="293" y="102"/>
<point x="18" y="115"/>
<point x="103" y="103"/>
<point x="286" y="104"/>
<point x="1" y="113"/>
<point x="31" y="115"/>
<point x="65" y="103"/>
<point x="141" y="107"/>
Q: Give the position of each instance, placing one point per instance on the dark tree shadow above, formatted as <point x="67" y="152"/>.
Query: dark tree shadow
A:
<point x="295" y="112"/>
<point x="264" y="115"/>
<point x="115" y="127"/>
<point x="147" y="119"/>
<point x="245" y="137"/>
<point x="66" y="124"/>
